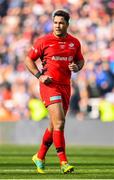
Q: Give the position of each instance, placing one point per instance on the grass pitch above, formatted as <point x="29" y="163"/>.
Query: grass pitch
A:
<point x="89" y="162"/>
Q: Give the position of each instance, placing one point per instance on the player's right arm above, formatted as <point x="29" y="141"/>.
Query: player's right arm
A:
<point x="34" y="53"/>
<point x="32" y="67"/>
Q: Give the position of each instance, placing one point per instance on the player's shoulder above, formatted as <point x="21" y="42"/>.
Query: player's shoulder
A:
<point x="43" y="38"/>
<point x="73" y="39"/>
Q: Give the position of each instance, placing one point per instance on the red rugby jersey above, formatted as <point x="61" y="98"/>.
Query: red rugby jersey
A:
<point x="56" y="53"/>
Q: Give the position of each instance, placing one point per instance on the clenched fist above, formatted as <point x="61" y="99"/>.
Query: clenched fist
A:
<point x="73" y="67"/>
<point x="45" y="79"/>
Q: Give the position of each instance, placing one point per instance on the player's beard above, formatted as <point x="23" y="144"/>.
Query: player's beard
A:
<point x="60" y="33"/>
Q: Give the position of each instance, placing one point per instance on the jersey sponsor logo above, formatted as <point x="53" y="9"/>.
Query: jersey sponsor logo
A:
<point x="70" y="58"/>
<point x="62" y="58"/>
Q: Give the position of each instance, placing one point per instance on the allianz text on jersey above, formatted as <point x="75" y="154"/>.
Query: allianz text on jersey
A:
<point x="62" y="58"/>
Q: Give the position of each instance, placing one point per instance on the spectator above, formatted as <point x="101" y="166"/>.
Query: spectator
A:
<point x="20" y="23"/>
<point x="104" y="78"/>
<point x="74" y="102"/>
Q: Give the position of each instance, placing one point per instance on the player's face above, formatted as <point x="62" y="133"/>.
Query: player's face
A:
<point x="59" y="26"/>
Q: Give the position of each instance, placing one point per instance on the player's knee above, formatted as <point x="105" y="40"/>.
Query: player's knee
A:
<point x="60" y="125"/>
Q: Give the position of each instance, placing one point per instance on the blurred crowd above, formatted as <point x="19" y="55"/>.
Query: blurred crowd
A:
<point x="92" y="22"/>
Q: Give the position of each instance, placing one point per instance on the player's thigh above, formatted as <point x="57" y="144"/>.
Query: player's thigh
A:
<point x="50" y="126"/>
<point x="56" y="112"/>
<point x="65" y="91"/>
<point x="50" y="94"/>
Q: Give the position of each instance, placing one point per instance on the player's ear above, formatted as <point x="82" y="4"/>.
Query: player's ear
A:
<point x="67" y="24"/>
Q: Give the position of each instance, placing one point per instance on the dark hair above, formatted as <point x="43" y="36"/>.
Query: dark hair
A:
<point x="62" y="13"/>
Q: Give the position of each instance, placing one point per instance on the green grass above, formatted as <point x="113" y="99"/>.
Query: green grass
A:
<point x="89" y="162"/>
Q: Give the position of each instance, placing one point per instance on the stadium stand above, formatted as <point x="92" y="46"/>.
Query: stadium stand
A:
<point x="21" y="21"/>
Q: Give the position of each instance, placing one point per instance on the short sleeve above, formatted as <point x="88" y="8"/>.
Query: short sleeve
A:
<point x="36" y="50"/>
<point x="78" y="55"/>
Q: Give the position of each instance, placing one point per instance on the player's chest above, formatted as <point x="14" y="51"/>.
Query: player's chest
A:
<point x="61" y="48"/>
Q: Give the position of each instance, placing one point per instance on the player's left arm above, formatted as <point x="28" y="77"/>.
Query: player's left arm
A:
<point x="78" y="63"/>
<point x="75" y="67"/>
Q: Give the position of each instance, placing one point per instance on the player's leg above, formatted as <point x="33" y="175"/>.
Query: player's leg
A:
<point x="39" y="157"/>
<point x="65" y="92"/>
<point x="57" y="116"/>
<point x="47" y="140"/>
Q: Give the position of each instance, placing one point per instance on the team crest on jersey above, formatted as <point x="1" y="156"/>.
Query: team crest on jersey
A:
<point x="71" y="45"/>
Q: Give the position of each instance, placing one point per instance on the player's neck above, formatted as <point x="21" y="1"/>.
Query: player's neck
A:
<point x="61" y="36"/>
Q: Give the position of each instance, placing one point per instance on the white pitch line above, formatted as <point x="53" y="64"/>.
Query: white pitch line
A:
<point x="17" y="170"/>
<point x="24" y="170"/>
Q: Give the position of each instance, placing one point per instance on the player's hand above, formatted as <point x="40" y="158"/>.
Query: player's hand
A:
<point x="73" y="67"/>
<point x="45" y="79"/>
